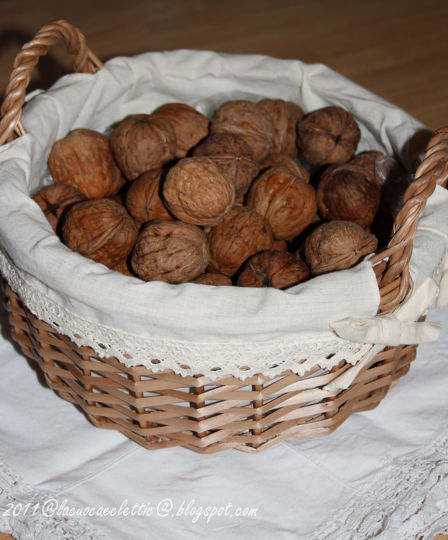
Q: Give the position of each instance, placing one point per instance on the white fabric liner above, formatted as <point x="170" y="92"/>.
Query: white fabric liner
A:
<point x="190" y="328"/>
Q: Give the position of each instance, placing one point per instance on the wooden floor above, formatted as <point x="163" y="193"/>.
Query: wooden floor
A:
<point x="395" y="48"/>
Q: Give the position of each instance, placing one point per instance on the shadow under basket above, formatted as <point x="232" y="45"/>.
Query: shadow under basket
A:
<point x="160" y="410"/>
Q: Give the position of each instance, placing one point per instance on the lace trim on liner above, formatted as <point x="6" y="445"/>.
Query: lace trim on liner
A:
<point x="407" y="499"/>
<point x="240" y="360"/>
<point x="31" y="514"/>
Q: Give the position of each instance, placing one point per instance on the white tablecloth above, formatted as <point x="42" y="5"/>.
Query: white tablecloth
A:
<point x="382" y="474"/>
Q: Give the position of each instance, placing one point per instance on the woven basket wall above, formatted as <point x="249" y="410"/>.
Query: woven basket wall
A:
<point x="159" y="410"/>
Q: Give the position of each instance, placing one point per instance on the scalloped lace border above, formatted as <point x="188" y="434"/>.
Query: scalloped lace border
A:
<point x="22" y="513"/>
<point x="240" y="360"/>
<point x="407" y="499"/>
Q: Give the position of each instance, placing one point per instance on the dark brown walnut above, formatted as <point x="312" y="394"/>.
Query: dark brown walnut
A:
<point x="337" y="245"/>
<point x="144" y="197"/>
<point x="274" y="160"/>
<point x="233" y="156"/>
<point x="270" y="268"/>
<point x="170" y="251"/>
<point x="84" y="159"/>
<point x="328" y="135"/>
<point x="196" y="191"/>
<point x="56" y="199"/>
<point x="208" y="278"/>
<point x="239" y="235"/>
<point x="190" y="126"/>
<point x="285" y="116"/>
<point x="100" y="229"/>
<point x="345" y="193"/>
<point x="142" y="142"/>
<point x="285" y="200"/>
<point x="248" y="120"/>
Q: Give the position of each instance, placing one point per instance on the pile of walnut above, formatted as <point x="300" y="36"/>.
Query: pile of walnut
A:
<point x="259" y="195"/>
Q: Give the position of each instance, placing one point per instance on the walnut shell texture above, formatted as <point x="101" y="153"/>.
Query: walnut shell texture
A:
<point x="54" y="200"/>
<point x="233" y="156"/>
<point x="328" y="135"/>
<point x="196" y="191"/>
<point x="287" y="201"/>
<point x="100" y="229"/>
<point x="170" y="251"/>
<point x="239" y="235"/>
<point x="345" y="193"/>
<point x="248" y="120"/>
<point x="190" y="126"/>
<point x="270" y="268"/>
<point x="285" y="116"/>
<point x="144" y="197"/>
<point x="208" y="278"/>
<point x="275" y="159"/>
<point x="337" y="245"/>
<point x="142" y="142"/>
<point x="83" y="159"/>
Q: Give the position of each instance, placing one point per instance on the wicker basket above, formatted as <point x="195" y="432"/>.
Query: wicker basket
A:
<point x="159" y="410"/>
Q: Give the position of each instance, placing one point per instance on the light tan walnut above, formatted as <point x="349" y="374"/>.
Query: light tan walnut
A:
<point x="287" y="201"/>
<point x="84" y="159"/>
<point x="196" y="191"/>
<point x="170" y="251"/>
<point x="337" y="245"/>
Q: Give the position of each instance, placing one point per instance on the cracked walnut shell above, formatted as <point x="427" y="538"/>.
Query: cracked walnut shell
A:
<point x="328" y="135"/>
<point x="100" y="229"/>
<point x="170" y="251"/>
<point x="196" y="191"/>
<point x="84" y="159"/>
<point x="337" y="245"/>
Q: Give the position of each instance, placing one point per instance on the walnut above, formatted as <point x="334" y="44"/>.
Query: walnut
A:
<point x="196" y="191"/>
<point x="280" y="245"/>
<point x="209" y="278"/>
<point x="287" y="201"/>
<point x="100" y="229"/>
<point x="345" y="193"/>
<point x="54" y="200"/>
<point x="233" y="156"/>
<point x="144" y="197"/>
<point x="285" y="116"/>
<point x="170" y="251"/>
<point x="239" y="235"/>
<point x="190" y="126"/>
<point x="141" y="142"/>
<point x="271" y="268"/>
<point x="249" y="120"/>
<point x="328" y="135"/>
<point x="274" y="159"/>
<point x="337" y="245"/>
<point x="84" y="159"/>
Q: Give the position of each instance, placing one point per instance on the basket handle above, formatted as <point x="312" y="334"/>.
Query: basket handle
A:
<point x="84" y="61"/>
<point x="392" y="265"/>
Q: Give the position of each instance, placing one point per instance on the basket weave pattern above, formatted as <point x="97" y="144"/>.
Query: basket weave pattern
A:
<point x="159" y="410"/>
